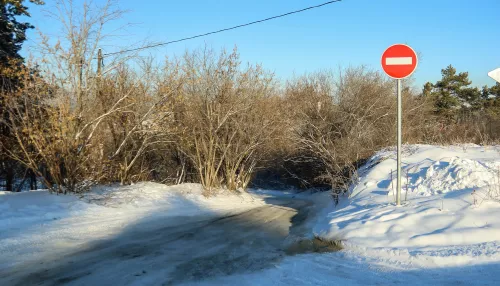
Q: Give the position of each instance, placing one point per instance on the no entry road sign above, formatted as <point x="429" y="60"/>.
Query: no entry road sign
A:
<point x="399" y="61"/>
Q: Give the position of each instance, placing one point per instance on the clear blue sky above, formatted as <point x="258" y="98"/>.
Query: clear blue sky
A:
<point x="464" y="33"/>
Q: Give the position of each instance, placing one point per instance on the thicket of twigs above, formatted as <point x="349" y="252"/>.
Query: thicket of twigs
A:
<point x="204" y="117"/>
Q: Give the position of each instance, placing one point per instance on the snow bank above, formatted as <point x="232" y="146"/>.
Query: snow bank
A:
<point x="447" y="218"/>
<point x="20" y="210"/>
<point x="184" y="199"/>
<point x="35" y="222"/>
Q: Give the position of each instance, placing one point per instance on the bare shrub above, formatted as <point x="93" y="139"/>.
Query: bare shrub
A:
<point x="226" y="117"/>
<point x="344" y="120"/>
<point x="144" y="125"/>
<point x="54" y="122"/>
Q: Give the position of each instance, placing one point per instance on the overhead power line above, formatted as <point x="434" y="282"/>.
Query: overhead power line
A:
<point x="219" y="31"/>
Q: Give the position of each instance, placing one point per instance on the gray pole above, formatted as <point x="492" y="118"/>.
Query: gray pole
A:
<point x="99" y="63"/>
<point x="99" y="73"/>
<point x="398" y="194"/>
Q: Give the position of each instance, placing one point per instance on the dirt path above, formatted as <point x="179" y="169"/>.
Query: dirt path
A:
<point x="166" y="254"/>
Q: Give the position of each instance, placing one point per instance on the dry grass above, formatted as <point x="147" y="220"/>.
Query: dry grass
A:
<point x="316" y="244"/>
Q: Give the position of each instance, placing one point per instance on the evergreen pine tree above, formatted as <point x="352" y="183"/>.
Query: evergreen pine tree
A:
<point x="452" y="93"/>
<point x="12" y="36"/>
<point x="12" y="31"/>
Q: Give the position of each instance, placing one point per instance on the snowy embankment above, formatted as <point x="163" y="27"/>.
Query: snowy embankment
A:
<point x="450" y="214"/>
<point x="36" y="223"/>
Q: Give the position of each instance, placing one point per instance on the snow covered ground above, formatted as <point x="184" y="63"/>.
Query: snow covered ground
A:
<point x="450" y="216"/>
<point x="447" y="231"/>
<point x="35" y="223"/>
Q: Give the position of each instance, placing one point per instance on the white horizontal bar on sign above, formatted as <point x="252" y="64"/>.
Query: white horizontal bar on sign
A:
<point x="398" y="61"/>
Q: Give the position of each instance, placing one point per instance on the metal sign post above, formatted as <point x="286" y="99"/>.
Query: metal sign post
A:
<point x="399" y="61"/>
<point x="400" y="111"/>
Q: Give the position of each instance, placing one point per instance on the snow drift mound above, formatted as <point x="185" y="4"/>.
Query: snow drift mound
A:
<point x="450" y="174"/>
<point x="448" y="203"/>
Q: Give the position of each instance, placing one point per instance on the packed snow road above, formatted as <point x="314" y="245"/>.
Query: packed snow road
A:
<point x="159" y="252"/>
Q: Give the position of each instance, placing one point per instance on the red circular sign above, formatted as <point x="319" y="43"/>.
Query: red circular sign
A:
<point x="399" y="61"/>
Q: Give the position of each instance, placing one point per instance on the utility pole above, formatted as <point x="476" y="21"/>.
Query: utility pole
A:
<point x="99" y="64"/>
<point x="79" y="87"/>
<point x="99" y="73"/>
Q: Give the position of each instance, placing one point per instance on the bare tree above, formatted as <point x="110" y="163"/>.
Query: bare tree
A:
<point x="56" y="133"/>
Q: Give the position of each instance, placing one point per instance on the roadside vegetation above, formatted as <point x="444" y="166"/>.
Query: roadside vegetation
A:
<point x="69" y="122"/>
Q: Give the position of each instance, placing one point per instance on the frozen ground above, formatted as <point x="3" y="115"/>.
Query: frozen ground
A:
<point x="36" y="223"/>
<point x="449" y="220"/>
<point x="161" y="253"/>
<point x="150" y="234"/>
